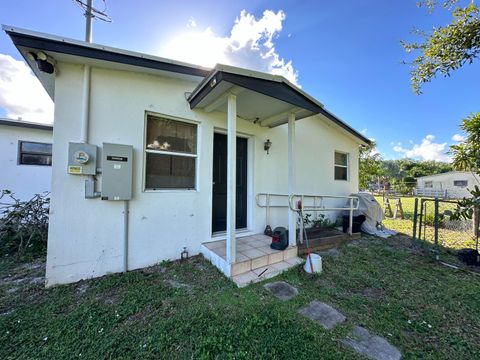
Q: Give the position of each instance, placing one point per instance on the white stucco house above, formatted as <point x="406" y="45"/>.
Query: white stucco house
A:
<point x="451" y="185"/>
<point x="153" y="157"/>
<point x="25" y="157"/>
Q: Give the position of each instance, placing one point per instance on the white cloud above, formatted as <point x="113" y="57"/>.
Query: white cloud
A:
<point x="21" y="94"/>
<point x="428" y="149"/>
<point x="250" y="44"/>
<point x="191" y="22"/>
<point x="364" y="131"/>
<point x="458" y="137"/>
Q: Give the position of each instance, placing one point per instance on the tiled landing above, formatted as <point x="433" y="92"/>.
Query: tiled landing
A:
<point x="255" y="259"/>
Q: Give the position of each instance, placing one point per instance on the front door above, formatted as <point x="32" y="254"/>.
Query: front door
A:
<point x="219" y="206"/>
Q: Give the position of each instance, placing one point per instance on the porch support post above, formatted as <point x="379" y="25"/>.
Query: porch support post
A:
<point x="231" y="177"/>
<point x="292" y="233"/>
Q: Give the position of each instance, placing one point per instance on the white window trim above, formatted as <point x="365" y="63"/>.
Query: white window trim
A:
<point x="162" y="152"/>
<point x="343" y="166"/>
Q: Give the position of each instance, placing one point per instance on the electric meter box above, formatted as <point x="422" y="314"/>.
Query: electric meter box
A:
<point x="82" y="159"/>
<point x="117" y="171"/>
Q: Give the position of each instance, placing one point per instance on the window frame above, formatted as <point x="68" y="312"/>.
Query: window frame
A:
<point x="170" y="153"/>
<point x="429" y="186"/>
<point x="335" y="165"/>
<point x="460" y="186"/>
<point x="20" y="153"/>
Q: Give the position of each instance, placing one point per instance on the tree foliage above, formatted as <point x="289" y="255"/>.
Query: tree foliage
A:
<point x="447" y="48"/>
<point x="466" y="154"/>
<point x="370" y="165"/>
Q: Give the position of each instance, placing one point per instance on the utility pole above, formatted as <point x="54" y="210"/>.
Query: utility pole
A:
<point x="89" y="17"/>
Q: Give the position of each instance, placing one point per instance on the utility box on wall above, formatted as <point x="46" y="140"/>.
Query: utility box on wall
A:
<point x="117" y="171"/>
<point x="82" y="159"/>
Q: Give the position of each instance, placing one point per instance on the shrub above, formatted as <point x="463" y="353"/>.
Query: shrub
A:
<point x="23" y="224"/>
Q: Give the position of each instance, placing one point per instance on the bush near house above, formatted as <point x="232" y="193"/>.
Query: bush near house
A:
<point x="23" y="224"/>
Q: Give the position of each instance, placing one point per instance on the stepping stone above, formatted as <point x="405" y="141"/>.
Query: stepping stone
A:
<point x="281" y="290"/>
<point x="322" y="313"/>
<point x="372" y="346"/>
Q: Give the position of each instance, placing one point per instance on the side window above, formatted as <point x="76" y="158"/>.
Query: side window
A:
<point x="170" y="153"/>
<point x="460" y="183"/>
<point x="429" y="184"/>
<point x="341" y="166"/>
<point x="34" y="153"/>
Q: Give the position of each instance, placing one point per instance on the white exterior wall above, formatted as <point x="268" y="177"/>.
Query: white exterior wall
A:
<point x="24" y="180"/>
<point x="442" y="182"/>
<point x="86" y="236"/>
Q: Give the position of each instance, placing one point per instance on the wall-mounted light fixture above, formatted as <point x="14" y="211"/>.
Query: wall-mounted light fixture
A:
<point x="267" y="145"/>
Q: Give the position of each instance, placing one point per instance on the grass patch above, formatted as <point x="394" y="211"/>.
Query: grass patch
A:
<point x="452" y="236"/>
<point x="189" y="310"/>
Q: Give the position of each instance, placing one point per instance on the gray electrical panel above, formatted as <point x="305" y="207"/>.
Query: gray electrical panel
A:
<point x="117" y="169"/>
<point x="82" y="159"/>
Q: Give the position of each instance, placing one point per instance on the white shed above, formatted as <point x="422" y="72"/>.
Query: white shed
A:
<point x="25" y="157"/>
<point x="452" y="185"/>
<point x="184" y="152"/>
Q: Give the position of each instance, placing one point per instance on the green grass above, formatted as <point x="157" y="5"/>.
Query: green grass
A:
<point x="426" y="310"/>
<point x="450" y="239"/>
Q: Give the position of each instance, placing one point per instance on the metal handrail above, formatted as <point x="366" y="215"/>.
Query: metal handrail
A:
<point x="317" y="205"/>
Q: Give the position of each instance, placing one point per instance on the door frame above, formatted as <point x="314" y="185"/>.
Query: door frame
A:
<point x="250" y="176"/>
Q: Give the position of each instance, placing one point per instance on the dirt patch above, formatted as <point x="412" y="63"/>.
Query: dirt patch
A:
<point x="108" y="297"/>
<point x="156" y="269"/>
<point x="177" y="284"/>
<point x="143" y="317"/>
<point x="23" y="275"/>
<point x="373" y="293"/>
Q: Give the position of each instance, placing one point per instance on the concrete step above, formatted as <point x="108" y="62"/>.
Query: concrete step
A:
<point x="246" y="264"/>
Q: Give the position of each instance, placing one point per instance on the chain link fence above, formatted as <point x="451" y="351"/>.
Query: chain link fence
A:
<point x="434" y="226"/>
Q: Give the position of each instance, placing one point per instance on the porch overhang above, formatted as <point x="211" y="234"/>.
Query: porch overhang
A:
<point x="261" y="98"/>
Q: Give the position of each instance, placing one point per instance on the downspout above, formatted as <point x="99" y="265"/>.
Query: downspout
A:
<point x="125" y="236"/>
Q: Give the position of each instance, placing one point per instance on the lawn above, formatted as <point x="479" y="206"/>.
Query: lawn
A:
<point x="451" y="237"/>
<point x="189" y="310"/>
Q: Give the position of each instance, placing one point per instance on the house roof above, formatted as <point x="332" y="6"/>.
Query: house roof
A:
<point x="25" y="124"/>
<point x="273" y="91"/>
<point x="447" y="173"/>
<point x="284" y="97"/>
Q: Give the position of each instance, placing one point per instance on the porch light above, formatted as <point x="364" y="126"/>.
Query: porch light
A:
<point x="267" y="145"/>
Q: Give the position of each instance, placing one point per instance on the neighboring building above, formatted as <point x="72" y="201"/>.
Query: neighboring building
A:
<point x="25" y="157"/>
<point x="194" y="131"/>
<point x="451" y="185"/>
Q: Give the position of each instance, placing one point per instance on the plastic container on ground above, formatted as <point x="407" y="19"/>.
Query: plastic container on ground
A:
<point x="316" y="264"/>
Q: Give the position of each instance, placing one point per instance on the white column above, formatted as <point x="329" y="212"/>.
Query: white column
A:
<point x="291" y="178"/>
<point x="231" y="177"/>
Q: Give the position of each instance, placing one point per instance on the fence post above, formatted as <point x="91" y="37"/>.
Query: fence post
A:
<point x="421" y="220"/>
<point x="415" y="214"/>
<point x="436" y="226"/>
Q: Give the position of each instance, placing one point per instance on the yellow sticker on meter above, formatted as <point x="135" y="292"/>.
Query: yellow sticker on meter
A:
<point x="74" y="169"/>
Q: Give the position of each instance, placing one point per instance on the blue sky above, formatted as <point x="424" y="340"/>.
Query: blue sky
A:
<point x="346" y="54"/>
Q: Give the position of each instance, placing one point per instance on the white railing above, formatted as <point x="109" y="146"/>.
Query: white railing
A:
<point x="297" y="203"/>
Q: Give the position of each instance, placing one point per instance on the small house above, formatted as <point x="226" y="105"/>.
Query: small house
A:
<point x="449" y="185"/>
<point x="155" y="158"/>
<point x="25" y="157"/>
